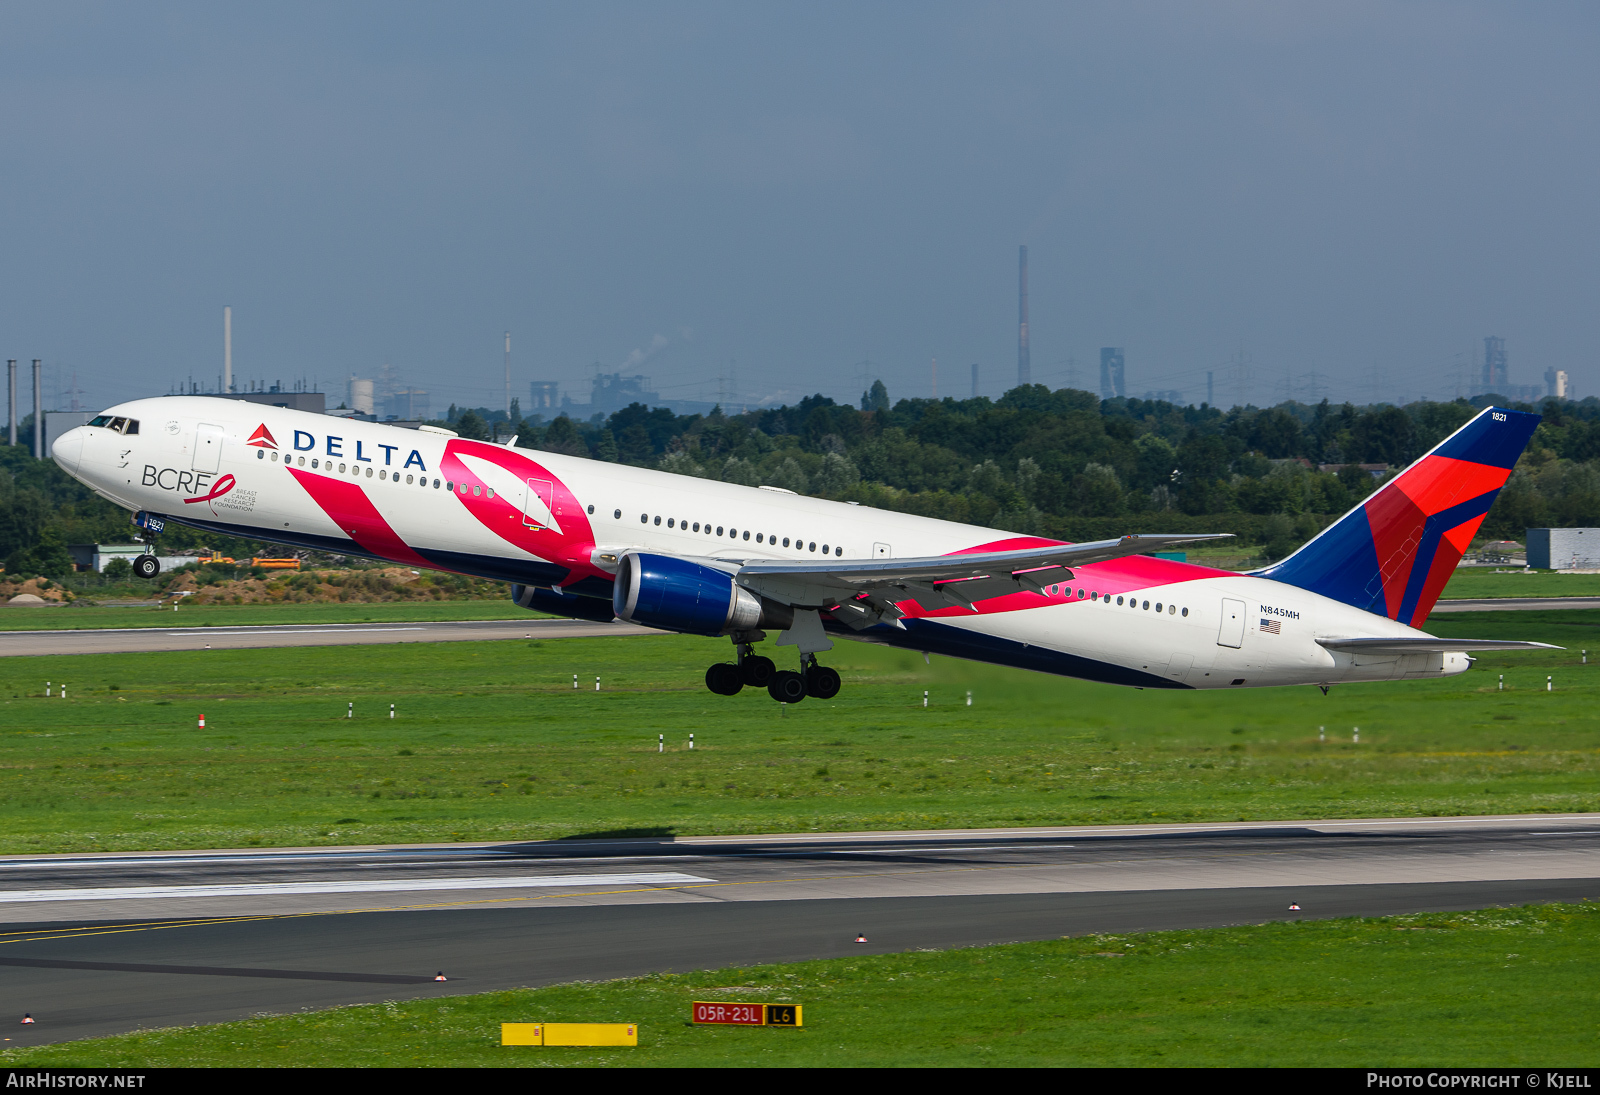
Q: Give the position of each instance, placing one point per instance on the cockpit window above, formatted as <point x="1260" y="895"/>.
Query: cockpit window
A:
<point x="121" y="425"/>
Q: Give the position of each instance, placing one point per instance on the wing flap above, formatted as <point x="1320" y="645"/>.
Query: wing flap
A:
<point x="944" y="580"/>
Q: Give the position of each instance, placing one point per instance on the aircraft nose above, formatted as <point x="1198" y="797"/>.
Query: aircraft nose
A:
<point x="68" y="449"/>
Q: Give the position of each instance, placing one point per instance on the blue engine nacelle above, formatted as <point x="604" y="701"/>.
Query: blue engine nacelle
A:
<point x="680" y="595"/>
<point x="562" y="604"/>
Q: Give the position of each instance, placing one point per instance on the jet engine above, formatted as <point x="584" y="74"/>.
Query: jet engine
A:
<point x="682" y="595"/>
<point x="562" y="604"/>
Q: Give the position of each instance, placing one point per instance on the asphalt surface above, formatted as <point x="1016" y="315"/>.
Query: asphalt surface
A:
<point x="123" y="640"/>
<point x="98" y="944"/>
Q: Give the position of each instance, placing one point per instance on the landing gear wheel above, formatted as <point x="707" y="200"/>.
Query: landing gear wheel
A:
<point x="822" y="682"/>
<point x="757" y="671"/>
<point x="146" y="566"/>
<point x="787" y="687"/>
<point x="723" y="679"/>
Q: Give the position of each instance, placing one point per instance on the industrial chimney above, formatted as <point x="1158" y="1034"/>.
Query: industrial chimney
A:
<point x="1024" y="364"/>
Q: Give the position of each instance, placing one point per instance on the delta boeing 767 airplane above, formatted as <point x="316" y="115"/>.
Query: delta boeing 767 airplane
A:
<point x="597" y="541"/>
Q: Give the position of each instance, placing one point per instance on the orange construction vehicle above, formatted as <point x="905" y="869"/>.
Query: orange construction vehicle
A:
<point x="276" y="564"/>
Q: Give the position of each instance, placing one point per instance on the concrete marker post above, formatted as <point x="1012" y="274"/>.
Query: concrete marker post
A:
<point x="969" y="697"/>
<point x="597" y="684"/>
<point x="661" y="743"/>
<point x="574" y="682"/>
<point x="691" y="743"/>
<point x="1549" y="685"/>
<point x="924" y="697"/>
<point x="1322" y="733"/>
<point x="351" y="713"/>
<point x="1356" y="736"/>
<point x="391" y="710"/>
<point x="1502" y="687"/>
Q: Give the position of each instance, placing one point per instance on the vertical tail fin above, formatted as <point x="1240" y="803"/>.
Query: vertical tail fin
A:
<point x="1393" y="554"/>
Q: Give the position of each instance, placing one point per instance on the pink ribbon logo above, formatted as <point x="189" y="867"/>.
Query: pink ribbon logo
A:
<point x="218" y="489"/>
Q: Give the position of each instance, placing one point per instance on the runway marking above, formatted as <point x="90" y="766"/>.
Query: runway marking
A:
<point x="217" y="971"/>
<point x="285" y="631"/>
<point x="376" y="885"/>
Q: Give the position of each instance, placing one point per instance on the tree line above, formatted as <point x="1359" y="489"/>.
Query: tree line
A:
<point x="1063" y="464"/>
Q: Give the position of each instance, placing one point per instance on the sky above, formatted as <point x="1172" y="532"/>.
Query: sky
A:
<point x="769" y="200"/>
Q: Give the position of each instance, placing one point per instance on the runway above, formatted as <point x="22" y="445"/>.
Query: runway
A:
<point x="96" y="944"/>
<point x="1515" y="604"/>
<point x="124" y="640"/>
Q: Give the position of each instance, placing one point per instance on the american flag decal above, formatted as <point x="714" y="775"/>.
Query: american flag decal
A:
<point x="1272" y="627"/>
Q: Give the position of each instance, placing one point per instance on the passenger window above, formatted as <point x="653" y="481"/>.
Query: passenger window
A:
<point x="813" y="545"/>
<point x="785" y="541"/>
<point x="477" y="491"/>
<point x="1147" y="606"/>
<point x="733" y="534"/>
<point x="369" y="473"/>
<point x="274" y="458"/>
<point x="697" y="526"/>
<point x="719" y="530"/>
<point x="1053" y="591"/>
<point x="658" y="522"/>
<point x="644" y="518"/>
<point x="1186" y="612"/>
<point x="313" y="461"/>
<point x="1158" y="606"/>
<point x="1171" y="609"/>
<point x="616" y="515"/>
<point x="591" y="509"/>
<point x="1080" y="594"/>
<point x="838" y="551"/>
<point x="1119" y="600"/>
<point x="824" y="549"/>
<point x="747" y="534"/>
<point x="261" y="454"/>
<point x="490" y="489"/>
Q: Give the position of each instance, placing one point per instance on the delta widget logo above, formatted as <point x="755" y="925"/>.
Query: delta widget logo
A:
<point x="262" y="438"/>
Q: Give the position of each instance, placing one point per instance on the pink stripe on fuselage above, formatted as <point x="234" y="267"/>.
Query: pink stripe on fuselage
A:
<point x="350" y="508"/>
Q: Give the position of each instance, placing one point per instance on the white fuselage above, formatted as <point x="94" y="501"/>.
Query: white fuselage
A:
<point x="429" y="499"/>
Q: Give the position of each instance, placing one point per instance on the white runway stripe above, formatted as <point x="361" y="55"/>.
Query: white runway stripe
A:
<point x="379" y="885"/>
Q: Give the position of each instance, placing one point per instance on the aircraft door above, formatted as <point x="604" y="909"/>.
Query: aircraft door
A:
<point x="538" y="506"/>
<point x="1232" y="632"/>
<point x="207" y="447"/>
<point x="882" y="551"/>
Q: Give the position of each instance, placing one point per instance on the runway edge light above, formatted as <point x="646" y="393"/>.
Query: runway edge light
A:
<point x="569" y="1034"/>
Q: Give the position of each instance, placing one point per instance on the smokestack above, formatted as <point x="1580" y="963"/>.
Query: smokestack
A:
<point x="227" y="349"/>
<point x="11" y="404"/>
<point x="1024" y="363"/>
<point x="38" y="413"/>
<point x="508" y="375"/>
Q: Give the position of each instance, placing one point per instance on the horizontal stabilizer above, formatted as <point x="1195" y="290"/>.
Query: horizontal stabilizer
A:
<point x="1428" y="645"/>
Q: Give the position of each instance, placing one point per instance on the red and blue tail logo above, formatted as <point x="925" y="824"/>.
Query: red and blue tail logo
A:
<point x="1393" y="554"/>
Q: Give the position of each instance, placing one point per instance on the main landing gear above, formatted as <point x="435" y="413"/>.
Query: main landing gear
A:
<point x="728" y="678"/>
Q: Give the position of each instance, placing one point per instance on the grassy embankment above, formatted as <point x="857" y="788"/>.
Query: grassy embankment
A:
<point x="1499" y="988"/>
<point x="75" y="617"/>
<point x="491" y="742"/>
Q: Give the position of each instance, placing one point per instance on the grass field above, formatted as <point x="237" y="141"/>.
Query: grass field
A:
<point x="1500" y="988"/>
<point x="74" y="617"/>
<point x="1470" y="582"/>
<point x="491" y="742"/>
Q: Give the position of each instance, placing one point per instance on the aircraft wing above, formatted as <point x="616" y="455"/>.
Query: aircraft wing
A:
<point x="865" y="590"/>
<point x="1428" y="645"/>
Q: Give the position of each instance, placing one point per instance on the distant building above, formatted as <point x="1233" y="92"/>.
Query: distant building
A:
<point x="543" y="396"/>
<point x="407" y="404"/>
<point x="1168" y="395"/>
<point x="1496" y="369"/>
<point x="1555" y="382"/>
<point x="1113" y="382"/>
<point x="1564" y="548"/>
<point x="360" y="396"/>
